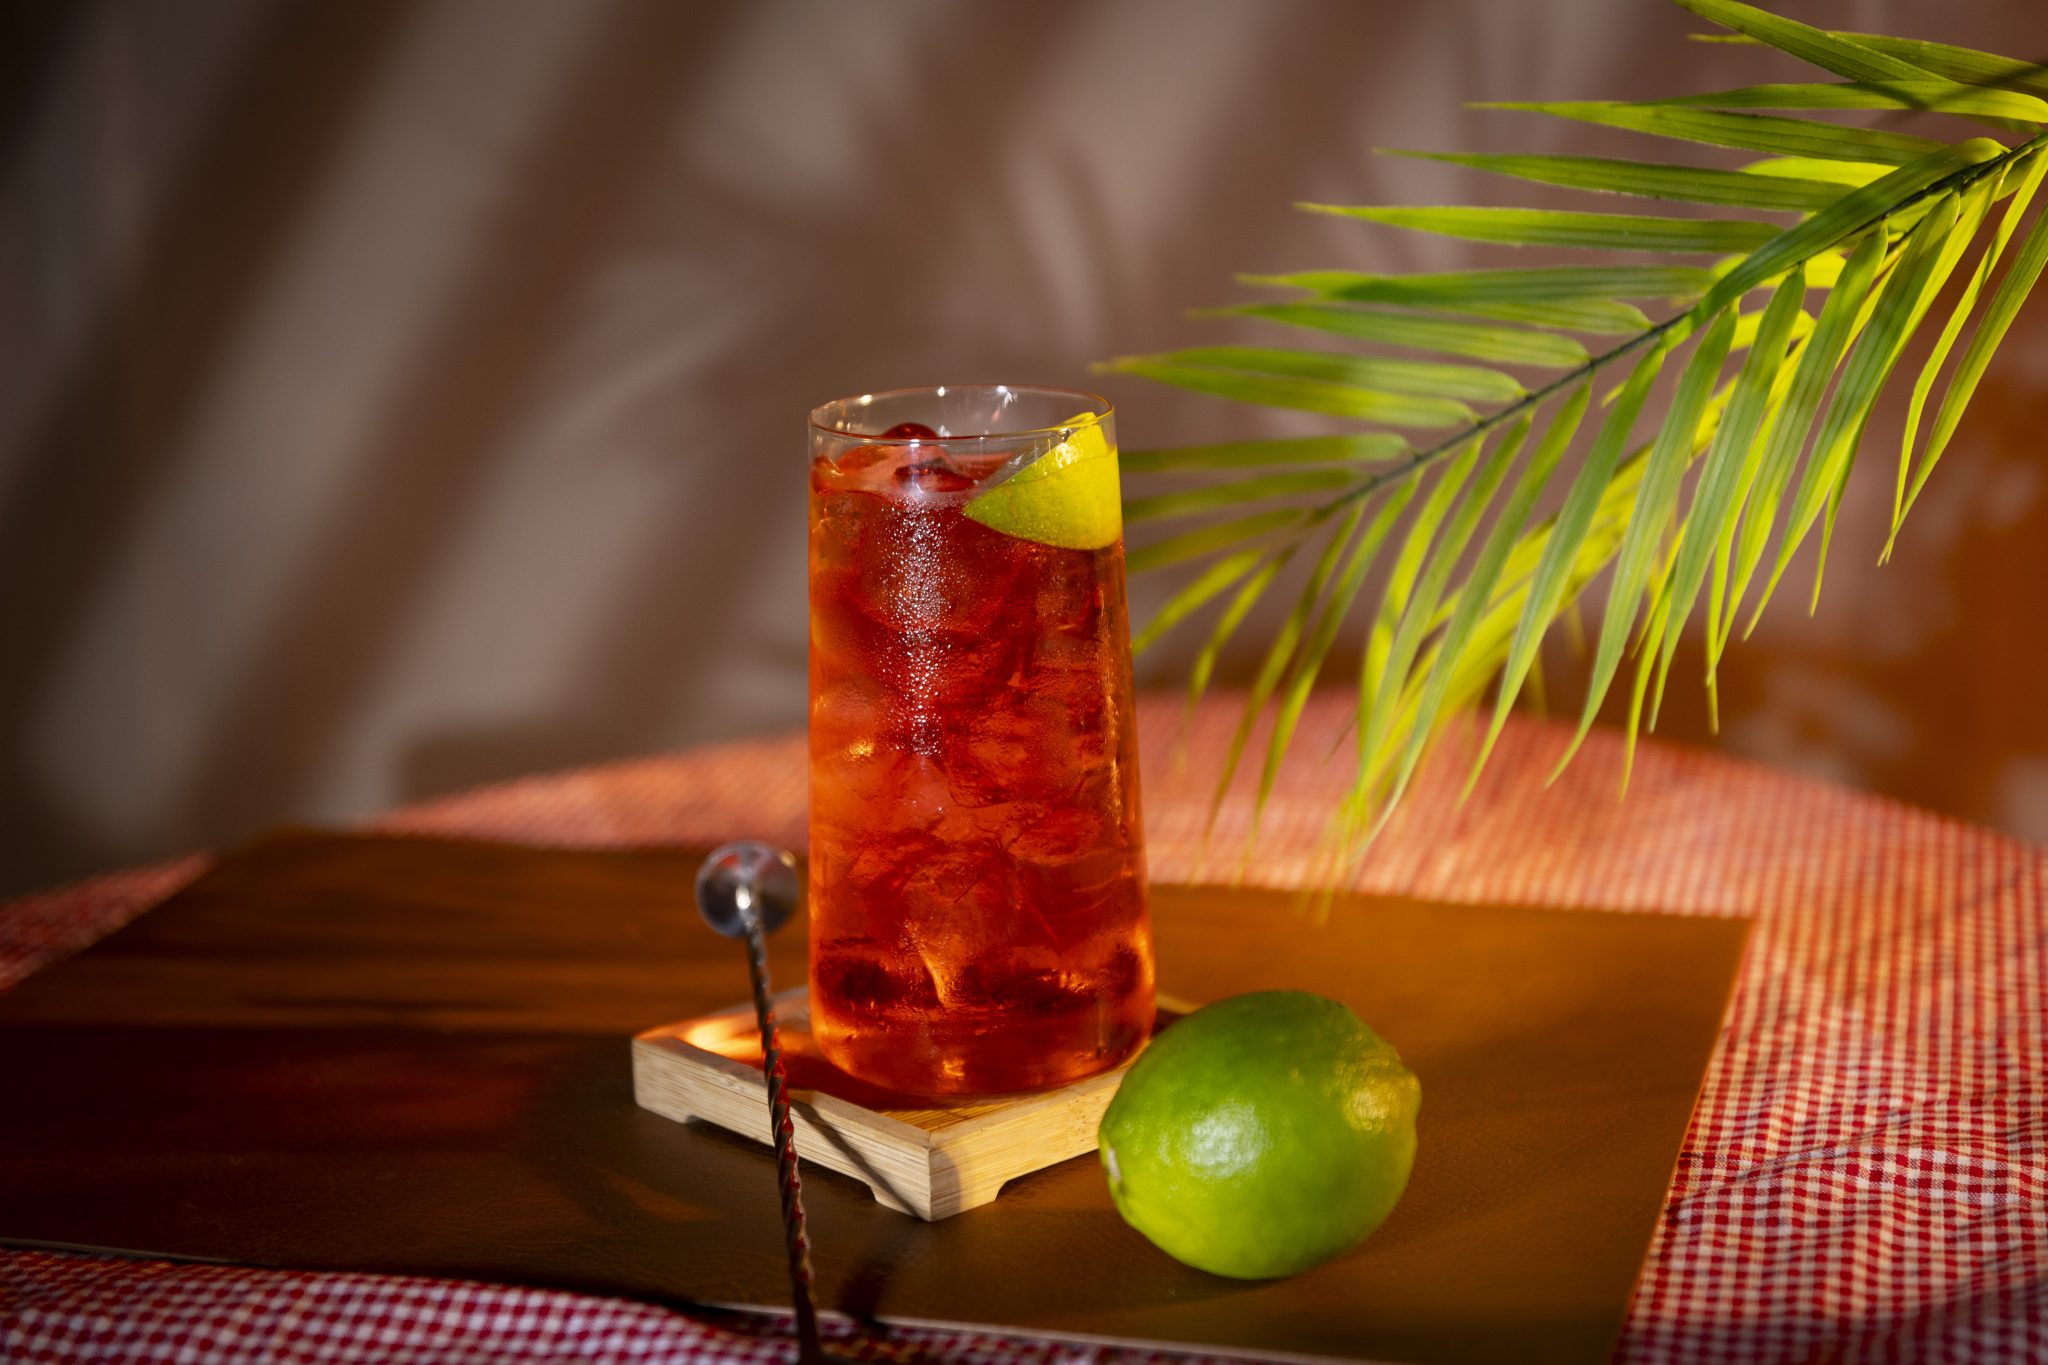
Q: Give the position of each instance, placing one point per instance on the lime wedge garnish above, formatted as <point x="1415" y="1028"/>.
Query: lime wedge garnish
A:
<point x="1066" y="495"/>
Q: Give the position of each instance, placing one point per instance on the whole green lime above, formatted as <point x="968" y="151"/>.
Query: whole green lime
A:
<point x="1261" y="1135"/>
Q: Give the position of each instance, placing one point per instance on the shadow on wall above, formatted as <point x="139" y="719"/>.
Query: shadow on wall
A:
<point x="440" y="418"/>
<point x="81" y="488"/>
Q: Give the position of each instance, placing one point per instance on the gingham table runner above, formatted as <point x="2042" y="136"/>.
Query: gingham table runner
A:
<point x="1866" y="1177"/>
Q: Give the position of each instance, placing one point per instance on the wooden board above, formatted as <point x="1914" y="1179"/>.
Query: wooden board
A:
<point x="411" y="1055"/>
<point x="917" y="1157"/>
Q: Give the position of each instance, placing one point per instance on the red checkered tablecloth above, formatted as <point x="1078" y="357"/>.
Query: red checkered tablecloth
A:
<point x="1866" y="1177"/>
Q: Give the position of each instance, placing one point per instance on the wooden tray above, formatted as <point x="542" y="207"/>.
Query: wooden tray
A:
<point x="413" y="1055"/>
<point x="929" y="1161"/>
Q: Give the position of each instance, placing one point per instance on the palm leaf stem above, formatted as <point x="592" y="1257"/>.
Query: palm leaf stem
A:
<point x="1682" y="323"/>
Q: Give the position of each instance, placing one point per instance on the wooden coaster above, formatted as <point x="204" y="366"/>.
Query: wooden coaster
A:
<point x="931" y="1162"/>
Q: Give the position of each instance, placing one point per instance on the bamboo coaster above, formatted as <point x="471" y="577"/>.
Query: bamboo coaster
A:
<point x="931" y="1162"/>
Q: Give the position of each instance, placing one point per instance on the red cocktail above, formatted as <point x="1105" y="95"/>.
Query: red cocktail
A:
<point x="978" y="914"/>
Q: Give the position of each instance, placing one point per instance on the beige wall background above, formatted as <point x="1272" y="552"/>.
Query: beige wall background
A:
<point x="404" y="394"/>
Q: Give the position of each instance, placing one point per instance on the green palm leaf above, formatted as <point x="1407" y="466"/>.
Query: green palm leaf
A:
<point x="1231" y="617"/>
<point x="1223" y="574"/>
<point x="1810" y="169"/>
<point x="1421" y="332"/>
<point x="1903" y="297"/>
<point x="1308" y="395"/>
<point x="1653" y="180"/>
<point x="1771" y="405"/>
<point x="1791" y="421"/>
<point x="1205" y="540"/>
<point x="1428" y="378"/>
<point x="1553" y="284"/>
<point x="1572" y="298"/>
<point x="1420" y="575"/>
<point x="1944" y="97"/>
<point x="1829" y="51"/>
<point x="1471" y="604"/>
<point x="1654" y="504"/>
<point x="1343" y="592"/>
<point x="1236" y="493"/>
<point x="1748" y="132"/>
<point x="1358" y="446"/>
<point x="1549" y="227"/>
<point x="1279" y="652"/>
<point x="1963" y="64"/>
<point x="1856" y="212"/>
<point x="1551" y="577"/>
<point x="1727" y="460"/>
<point x="2012" y="291"/>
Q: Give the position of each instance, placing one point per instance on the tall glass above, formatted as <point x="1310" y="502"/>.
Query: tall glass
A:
<point x="977" y="876"/>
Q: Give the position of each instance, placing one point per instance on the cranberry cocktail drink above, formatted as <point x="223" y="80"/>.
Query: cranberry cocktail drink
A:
<point x="977" y="875"/>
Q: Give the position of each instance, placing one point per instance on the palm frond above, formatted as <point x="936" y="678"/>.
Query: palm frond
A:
<point x="1423" y="332"/>
<point x="1791" y="421"/>
<point x="1388" y="779"/>
<point x="1655" y="502"/>
<point x="1424" y="378"/>
<point x="1471" y="386"/>
<point x="1549" y="227"/>
<point x="1945" y="97"/>
<point x="1730" y="455"/>
<point x="1964" y="65"/>
<point x="1653" y="180"/>
<point x="1746" y="132"/>
<point x="2012" y="290"/>
<point x="1359" y="447"/>
<point x="1552" y="581"/>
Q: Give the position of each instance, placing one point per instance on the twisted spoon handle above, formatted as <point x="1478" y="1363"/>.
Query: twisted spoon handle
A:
<point x="784" y="1136"/>
<point x="746" y="890"/>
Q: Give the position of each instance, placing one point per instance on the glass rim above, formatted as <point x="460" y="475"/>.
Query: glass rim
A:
<point x="1099" y="407"/>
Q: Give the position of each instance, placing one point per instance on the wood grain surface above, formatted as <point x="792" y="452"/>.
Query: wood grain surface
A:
<point x="411" y="1055"/>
